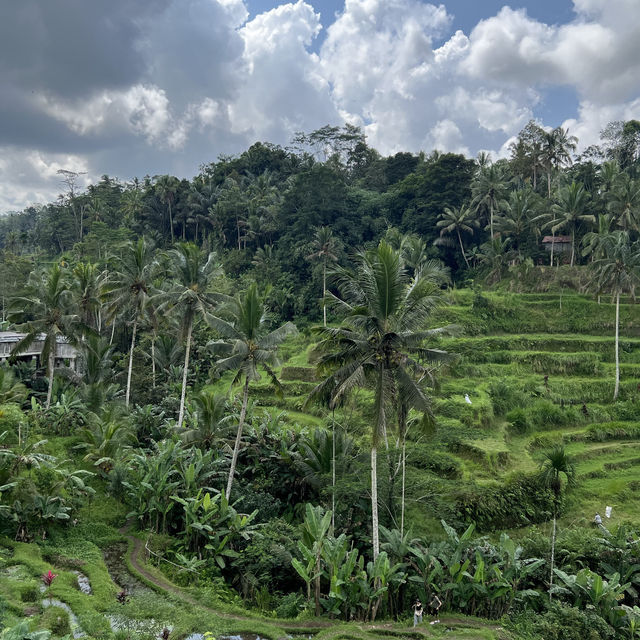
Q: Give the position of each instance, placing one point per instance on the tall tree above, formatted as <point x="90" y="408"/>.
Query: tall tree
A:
<point x="190" y="295"/>
<point x="166" y="188"/>
<point x="457" y="220"/>
<point x="623" y="202"/>
<point x="489" y="191"/>
<point x="377" y="343"/>
<point x="48" y="307"/>
<point x="555" y="470"/>
<point x="324" y="247"/>
<point x="247" y="345"/>
<point x="571" y="209"/>
<point x="515" y="221"/>
<point x="130" y="290"/>
<point x="88" y="287"/>
<point x="617" y="271"/>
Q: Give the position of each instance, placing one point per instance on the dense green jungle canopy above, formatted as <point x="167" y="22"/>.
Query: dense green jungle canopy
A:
<point x="314" y="384"/>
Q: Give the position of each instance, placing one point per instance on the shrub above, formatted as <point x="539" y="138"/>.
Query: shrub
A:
<point x="518" y="422"/>
<point x="10" y="418"/>
<point x="57" y="621"/>
<point x="438" y="462"/>
<point x="290" y="605"/>
<point x="505" y="397"/>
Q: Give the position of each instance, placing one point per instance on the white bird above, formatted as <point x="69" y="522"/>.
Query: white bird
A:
<point x="467" y="399"/>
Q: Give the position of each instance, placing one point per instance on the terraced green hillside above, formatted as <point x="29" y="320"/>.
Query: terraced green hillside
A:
<point x="539" y="370"/>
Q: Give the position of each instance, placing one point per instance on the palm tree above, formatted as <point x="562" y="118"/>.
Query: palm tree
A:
<point x="556" y="469"/>
<point x="129" y="290"/>
<point x="167" y="188"/>
<point x="376" y="344"/>
<point x="190" y="295"/>
<point x="617" y="270"/>
<point x="557" y="146"/>
<point x="324" y="247"/>
<point x="11" y="389"/>
<point x="49" y="309"/>
<point x="88" y="287"/>
<point x="457" y="219"/>
<point x="489" y="190"/>
<point x="623" y="201"/>
<point x="246" y="346"/>
<point x="573" y="201"/>
<point x="515" y="221"/>
<point x="212" y="413"/>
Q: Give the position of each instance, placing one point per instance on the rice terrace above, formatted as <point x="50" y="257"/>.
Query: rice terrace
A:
<point x="319" y="320"/>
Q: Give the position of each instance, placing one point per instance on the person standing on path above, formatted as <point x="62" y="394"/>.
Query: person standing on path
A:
<point x="435" y="605"/>
<point x="417" y="613"/>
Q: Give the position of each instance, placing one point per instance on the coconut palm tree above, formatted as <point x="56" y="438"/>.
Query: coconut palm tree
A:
<point x="247" y="345"/>
<point x="166" y="188"/>
<point x="212" y="414"/>
<point x="516" y="219"/>
<point x="324" y="247"/>
<point x="617" y="271"/>
<point x="130" y="289"/>
<point x="623" y="201"/>
<point x="455" y="220"/>
<point x="556" y="470"/>
<point x="489" y="191"/>
<point x="378" y="344"/>
<point x="48" y="305"/>
<point x="190" y="295"/>
<point x="88" y="288"/>
<point x="571" y="208"/>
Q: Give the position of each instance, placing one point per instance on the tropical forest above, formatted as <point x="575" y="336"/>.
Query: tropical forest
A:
<point x="319" y="392"/>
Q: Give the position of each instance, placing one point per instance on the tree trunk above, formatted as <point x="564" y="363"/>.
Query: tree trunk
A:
<point x="374" y="502"/>
<point x="573" y="245"/>
<point x="133" y="344"/>
<point x="333" y="471"/>
<point x="51" y="361"/>
<point x="462" y="248"/>
<point x="617" y="387"/>
<point x="553" y="241"/>
<point x="404" y="459"/>
<point x="317" y="586"/>
<point x="184" y="374"/>
<point x="236" y="446"/>
<point x="113" y="330"/>
<point x="170" y="221"/>
<point x="153" y="361"/>
<point x="553" y="550"/>
<point x="491" y="220"/>
<point x="324" y="292"/>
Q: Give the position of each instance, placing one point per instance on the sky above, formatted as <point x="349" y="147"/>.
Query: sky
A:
<point x="163" y="86"/>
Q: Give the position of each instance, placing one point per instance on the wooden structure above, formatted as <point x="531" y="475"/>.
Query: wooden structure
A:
<point x="66" y="354"/>
<point x="561" y="244"/>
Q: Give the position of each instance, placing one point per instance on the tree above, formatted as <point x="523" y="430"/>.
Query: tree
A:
<point x="324" y="247"/>
<point x="190" y="295"/>
<point x="457" y="219"/>
<point x="212" y="413"/>
<point x="489" y="190"/>
<point x="377" y="344"/>
<point x="515" y="221"/>
<point x="88" y="287"/>
<point x="167" y="188"/>
<point x="617" y="271"/>
<point x="246" y="346"/>
<point x="572" y="205"/>
<point x="623" y="201"/>
<point x="556" y="469"/>
<point x="129" y="291"/>
<point x="48" y="308"/>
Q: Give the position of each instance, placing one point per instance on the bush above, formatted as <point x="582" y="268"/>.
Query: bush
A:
<point x="504" y="397"/>
<point x="518" y="422"/>
<point x="10" y="418"/>
<point x="57" y="621"/>
<point x="290" y="605"/>
<point x="29" y="592"/>
<point x="438" y="462"/>
<point x="562" y="622"/>
<point x="544" y="414"/>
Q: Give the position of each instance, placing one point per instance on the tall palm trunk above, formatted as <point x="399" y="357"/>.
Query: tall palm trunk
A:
<point x="170" y="221"/>
<point x="184" y="374"/>
<point x="133" y="344"/>
<point x="573" y="245"/>
<point x="491" y="220"/>
<point x="374" y="502"/>
<point x="464" y="255"/>
<point x="153" y="361"/>
<point x="553" y="550"/>
<point x="617" y="387"/>
<point x="324" y="291"/>
<point x="404" y="459"/>
<point x="236" y="446"/>
<point x="51" y="360"/>
<point x="333" y="472"/>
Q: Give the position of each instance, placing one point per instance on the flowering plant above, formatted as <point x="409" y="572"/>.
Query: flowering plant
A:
<point x="48" y="578"/>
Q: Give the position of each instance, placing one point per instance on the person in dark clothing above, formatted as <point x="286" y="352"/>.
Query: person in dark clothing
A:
<point x="417" y="613"/>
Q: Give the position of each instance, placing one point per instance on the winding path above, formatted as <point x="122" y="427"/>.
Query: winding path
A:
<point x="136" y="554"/>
